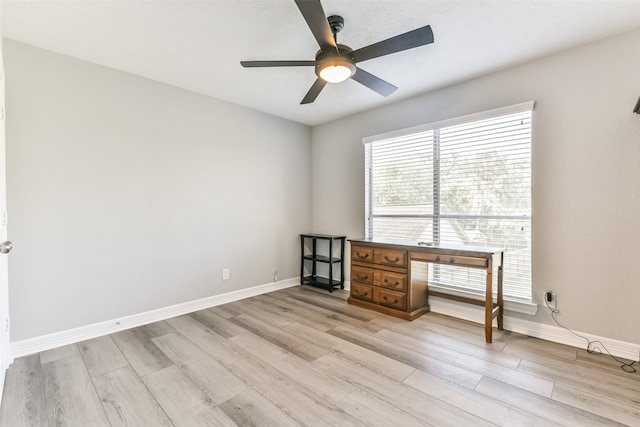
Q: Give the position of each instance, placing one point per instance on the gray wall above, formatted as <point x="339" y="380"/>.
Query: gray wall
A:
<point x="127" y="195"/>
<point x="586" y="174"/>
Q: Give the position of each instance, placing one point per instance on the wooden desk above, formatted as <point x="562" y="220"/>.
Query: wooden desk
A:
<point x="381" y="277"/>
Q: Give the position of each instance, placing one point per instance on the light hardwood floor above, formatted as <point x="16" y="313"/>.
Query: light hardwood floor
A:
<point x="302" y="356"/>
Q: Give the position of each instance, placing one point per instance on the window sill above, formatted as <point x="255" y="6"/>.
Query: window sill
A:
<point x="510" y="304"/>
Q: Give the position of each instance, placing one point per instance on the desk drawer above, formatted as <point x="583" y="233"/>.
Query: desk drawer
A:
<point x="393" y="281"/>
<point x="393" y="299"/>
<point x="362" y="275"/>
<point x="390" y="257"/>
<point x="364" y="293"/>
<point x="462" y="261"/>
<point x="362" y="254"/>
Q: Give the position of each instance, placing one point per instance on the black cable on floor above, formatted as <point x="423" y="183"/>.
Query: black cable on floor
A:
<point x="592" y="346"/>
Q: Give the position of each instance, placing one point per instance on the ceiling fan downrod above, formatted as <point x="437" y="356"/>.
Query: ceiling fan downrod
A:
<point x="336" y="23"/>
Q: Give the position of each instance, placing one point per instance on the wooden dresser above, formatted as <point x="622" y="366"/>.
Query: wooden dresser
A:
<point x="381" y="277"/>
<point x="381" y="281"/>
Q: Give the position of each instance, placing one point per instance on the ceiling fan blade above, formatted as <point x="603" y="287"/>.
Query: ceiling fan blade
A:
<point x="313" y="93"/>
<point x="374" y="83"/>
<point x="317" y="21"/>
<point x="409" y="40"/>
<point x="277" y="63"/>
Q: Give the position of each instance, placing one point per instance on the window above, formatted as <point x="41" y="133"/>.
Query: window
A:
<point x="462" y="181"/>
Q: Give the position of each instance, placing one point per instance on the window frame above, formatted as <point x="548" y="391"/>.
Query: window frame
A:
<point x="434" y="127"/>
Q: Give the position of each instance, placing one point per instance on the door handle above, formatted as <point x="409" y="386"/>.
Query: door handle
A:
<point x="5" y="247"/>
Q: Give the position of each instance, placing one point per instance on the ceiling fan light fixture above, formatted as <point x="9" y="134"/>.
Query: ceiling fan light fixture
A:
<point x="336" y="70"/>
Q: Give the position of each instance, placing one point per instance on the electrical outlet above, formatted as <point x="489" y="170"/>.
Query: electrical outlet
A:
<point x="549" y="298"/>
<point x="225" y="274"/>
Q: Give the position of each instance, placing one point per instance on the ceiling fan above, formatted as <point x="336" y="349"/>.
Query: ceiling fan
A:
<point x="335" y="62"/>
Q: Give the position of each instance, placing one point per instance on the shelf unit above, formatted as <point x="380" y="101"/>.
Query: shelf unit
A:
<point x="312" y="256"/>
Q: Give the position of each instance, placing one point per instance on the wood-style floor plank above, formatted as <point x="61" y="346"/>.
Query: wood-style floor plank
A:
<point x="484" y="352"/>
<point x="303" y="356"/>
<point x="143" y="355"/>
<point x="330" y="388"/>
<point x="212" y="378"/>
<point x="607" y="408"/>
<point x="101" y="355"/>
<point x="58" y="353"/>
<point x="252" y="409"/>
<point x="548" y="408"/>
<point x="293" y="398"/>
<point x="183" y="401"/>
<point x="23" y="402"/>
<point x="127" y="401"/>
<point x="380" y="363"/>
<point x="475" y="403"/>
<point x="302" y="348"/>
<point x="298" y="315"/>
<point x="217" y="323"/>
<point x="589" y="380"/>
<point x="333" y="317"/>
<point x="376" y="412"/>
<point x="509" y="376"/>
<point x="71" y="398"/>
<point x="441" y="368"/>
<point x="262" y="312"/>
<point x="398" y="395"/>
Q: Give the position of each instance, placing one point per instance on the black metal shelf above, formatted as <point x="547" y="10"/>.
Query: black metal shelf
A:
<point x="313" y="258"/>
<point x="321" y="281"/>
<point x="322" y="258"/>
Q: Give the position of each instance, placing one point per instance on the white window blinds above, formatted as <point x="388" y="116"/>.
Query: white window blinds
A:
<point x="463" y="181"/>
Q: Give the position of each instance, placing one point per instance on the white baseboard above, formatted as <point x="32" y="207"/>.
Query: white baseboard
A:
<point x="553" y="333"/>
<point x="72" y="336"/>
<point x="468" y="312"/>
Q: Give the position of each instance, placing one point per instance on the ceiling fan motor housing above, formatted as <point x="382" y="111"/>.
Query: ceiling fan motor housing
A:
<point x="343" y="56"/>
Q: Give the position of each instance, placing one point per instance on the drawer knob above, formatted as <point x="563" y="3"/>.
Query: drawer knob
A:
<point x="396" y="259"/>
<point x="362" y="256"/>
<point x="386" y="281"/>
<point x="437" y="258"/>
<point x="452" y="260"/>
<point x="360" y="277"/>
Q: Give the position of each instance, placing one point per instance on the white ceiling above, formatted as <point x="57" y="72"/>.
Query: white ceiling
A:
<point x="198" y="45"/>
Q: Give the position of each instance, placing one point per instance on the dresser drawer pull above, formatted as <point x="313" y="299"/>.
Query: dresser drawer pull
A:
<point x="364" y="294"/>
<point x="391" y="260"/>
<point x="360" y="277"/>
<point x="386" y="281"/>
<point x="438" y="259"/>
<point x="395" y="301"/>
<point x="365" y="256"/>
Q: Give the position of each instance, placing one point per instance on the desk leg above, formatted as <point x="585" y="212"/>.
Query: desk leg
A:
<point x="488" y="305"/>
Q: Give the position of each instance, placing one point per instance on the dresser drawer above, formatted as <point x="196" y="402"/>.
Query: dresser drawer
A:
<point x="362" y="254"/>
<point x="362" y="275"/>
<point x="392" y="299"/>
<point x="394" y="281"/>
<point x="390" y="257"/>
<point x="462" y="261"/>
<point x="364" y="293"/>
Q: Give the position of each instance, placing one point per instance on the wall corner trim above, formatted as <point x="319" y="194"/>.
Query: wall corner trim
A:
<point x="72" y="336"/>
